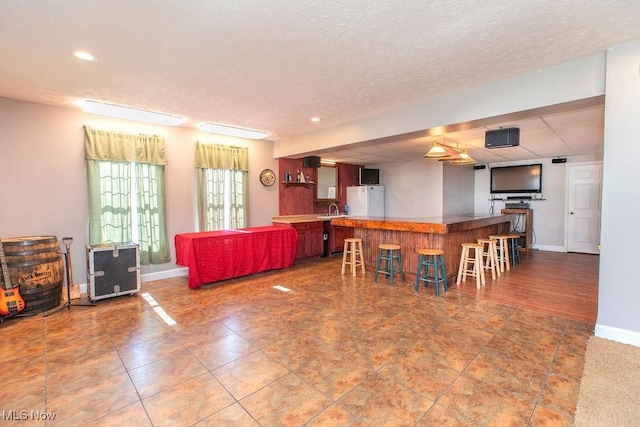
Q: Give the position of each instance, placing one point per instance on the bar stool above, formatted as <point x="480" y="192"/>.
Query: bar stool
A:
<point x="352" y="255"/>
<point x="490" y="256"/>
<point x="503" y="250"/>
<point x="389" y="253"/>
<point x="471" y="263"/>
<point x="431" y="261"/>
<point x="514" y="249"/>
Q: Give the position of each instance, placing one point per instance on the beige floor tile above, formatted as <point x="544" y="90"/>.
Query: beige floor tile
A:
<point x="421" y="374"/>
<point x="335" y="416"/>
<point x="137" y="355"/>
<point x="380" y="401"/>
<point x="131" y="415"/>
<point x="165" y="373"/>
<point x="188" y="402"/>
<point x="216" y="353"/>
<point x="290" y="401"/>
<point x="336" y="350"/>
<point x="233" y="415"/>
<point x="91" y="402"/>
<point x="486" y="404"/>
<point x="249" y="374"/>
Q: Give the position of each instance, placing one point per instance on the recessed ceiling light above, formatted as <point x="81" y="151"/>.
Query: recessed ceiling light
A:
<point x="129" y="113"/>
<point x="232" y="131"/>
<point x="85" y="56"/>
<point x="315" y="119"/>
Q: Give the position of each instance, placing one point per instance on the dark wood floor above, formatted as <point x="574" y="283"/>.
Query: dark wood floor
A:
<point x="559" y="284"/>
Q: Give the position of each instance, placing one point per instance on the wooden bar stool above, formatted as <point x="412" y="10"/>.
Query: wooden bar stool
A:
<point x="514" y="249"/>
<point x="431" y="262"/>
<point x="352" y="255"/>
<point x="389" y="253"/>
<point x="503" y="250"/>
<point x="490" y="256"/>
<point x="471" y="263"/>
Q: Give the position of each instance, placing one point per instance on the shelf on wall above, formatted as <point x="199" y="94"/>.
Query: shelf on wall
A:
<point x="518" y="199"/>
<point x="297" y="184"/>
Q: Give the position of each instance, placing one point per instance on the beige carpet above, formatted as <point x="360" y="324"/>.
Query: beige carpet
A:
<point x="610" y="387"/>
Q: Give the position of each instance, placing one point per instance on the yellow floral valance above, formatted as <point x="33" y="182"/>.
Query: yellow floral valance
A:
<point x="124" y="147"/>
<point x="226" y="157"/>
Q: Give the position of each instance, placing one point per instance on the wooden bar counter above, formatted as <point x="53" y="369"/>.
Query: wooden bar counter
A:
<point x="446" y="233"/>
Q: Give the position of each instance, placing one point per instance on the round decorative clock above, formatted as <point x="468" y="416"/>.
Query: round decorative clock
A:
<point x="267" y="177"/>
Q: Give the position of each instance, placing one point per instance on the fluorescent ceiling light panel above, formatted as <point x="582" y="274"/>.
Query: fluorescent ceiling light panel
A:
<point x="232" y="131"/>
<point x="85" y="56"/>
<point x="129" y="113"/>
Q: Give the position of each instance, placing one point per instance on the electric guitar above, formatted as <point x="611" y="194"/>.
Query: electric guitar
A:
<point x="11" y="302"/>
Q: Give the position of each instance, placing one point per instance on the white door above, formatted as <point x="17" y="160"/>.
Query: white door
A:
<point x="583" y="221"/>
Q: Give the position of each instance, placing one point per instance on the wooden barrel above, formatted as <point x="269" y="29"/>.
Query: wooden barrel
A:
<point x="35" y="263"/>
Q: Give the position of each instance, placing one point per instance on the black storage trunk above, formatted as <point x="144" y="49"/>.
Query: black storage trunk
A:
<point x="113" y="270"/>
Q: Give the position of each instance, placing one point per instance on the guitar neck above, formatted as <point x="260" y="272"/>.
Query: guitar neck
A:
<point x="5" y="269"/>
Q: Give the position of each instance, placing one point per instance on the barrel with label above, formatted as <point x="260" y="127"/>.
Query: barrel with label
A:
<point x="35" y="263"/>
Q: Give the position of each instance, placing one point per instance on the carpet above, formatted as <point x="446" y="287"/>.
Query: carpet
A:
<point x="610" y="388"/>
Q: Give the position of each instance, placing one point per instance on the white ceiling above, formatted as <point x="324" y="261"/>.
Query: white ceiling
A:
<point x="563" y="131"/>
<point x="271" y="66"/>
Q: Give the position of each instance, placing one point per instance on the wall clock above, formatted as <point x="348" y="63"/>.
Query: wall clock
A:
<point x="267" y="177"/>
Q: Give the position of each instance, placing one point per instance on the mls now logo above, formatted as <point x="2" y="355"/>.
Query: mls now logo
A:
<point x="27" y="415"/>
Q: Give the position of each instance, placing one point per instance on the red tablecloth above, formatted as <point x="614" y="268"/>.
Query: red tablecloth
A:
<point x="220" y="255"/>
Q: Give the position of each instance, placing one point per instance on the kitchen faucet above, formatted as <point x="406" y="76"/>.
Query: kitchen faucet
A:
<point x="337" y="209"/>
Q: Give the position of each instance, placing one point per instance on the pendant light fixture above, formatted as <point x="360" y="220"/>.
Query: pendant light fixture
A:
<point x="447" y="153"/>
<point x="436" y="151"/>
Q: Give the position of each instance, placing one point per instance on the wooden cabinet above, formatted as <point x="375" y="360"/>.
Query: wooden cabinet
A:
<point x="337" y="234"/>
<point x="309" y="238"/>
<point x="315" y="238"/>
<point x="522" y="225"/>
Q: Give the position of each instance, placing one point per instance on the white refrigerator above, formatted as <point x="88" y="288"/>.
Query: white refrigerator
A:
<point x="366" y="200"/>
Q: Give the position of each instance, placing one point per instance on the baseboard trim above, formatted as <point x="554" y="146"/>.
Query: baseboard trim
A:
<point x="164" y="274"/>
<point x="623" y="336"/>
<point x="549" y="248"/>
<point x="149" y="277"/>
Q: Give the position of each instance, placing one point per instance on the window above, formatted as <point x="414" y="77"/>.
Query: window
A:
<point x="127" y="192"/>
<point x="222" y="186"/>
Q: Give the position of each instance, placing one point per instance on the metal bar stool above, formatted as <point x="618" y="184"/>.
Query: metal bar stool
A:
<point x="389" y="253"/>
<point x="352" y="255"/>
<point x="514" y="249"/>
<point x="431" y="262"/>
<point x="490" y="256"/>
<point x="471" y="263"/>
<point x="503" y="250"/>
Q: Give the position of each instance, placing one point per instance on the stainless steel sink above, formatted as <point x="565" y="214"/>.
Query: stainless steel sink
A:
<point x="331" y="216"/>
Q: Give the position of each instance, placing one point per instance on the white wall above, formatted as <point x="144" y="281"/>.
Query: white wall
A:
<point x="459" y="186"/>
<point x="43" y="175"/>
<point x="548" y="214"/>
<point x="412" y="189"/>
<point x="619" y="292"/>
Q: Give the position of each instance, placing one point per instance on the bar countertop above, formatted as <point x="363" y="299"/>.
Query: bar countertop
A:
<point x="295" y="219"/>
<point x="435" y="225"/>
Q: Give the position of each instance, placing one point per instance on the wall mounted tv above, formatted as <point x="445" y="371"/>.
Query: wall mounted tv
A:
<point x="517" y="179"/>
<point x="369" y="176"/>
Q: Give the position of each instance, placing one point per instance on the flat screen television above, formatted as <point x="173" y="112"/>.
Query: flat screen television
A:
<point x="517" y="179"/>
<point x="369" y="176"/>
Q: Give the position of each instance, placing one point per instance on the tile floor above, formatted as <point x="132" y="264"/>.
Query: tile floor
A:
<point x="334" y="351"/>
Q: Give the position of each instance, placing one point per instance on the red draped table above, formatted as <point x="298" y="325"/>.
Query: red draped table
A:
<point x="218" y="255"/>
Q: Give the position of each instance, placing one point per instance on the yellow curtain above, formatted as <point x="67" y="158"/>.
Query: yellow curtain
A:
<point x="124" y="147"/>
<point x="210" y="156"/>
